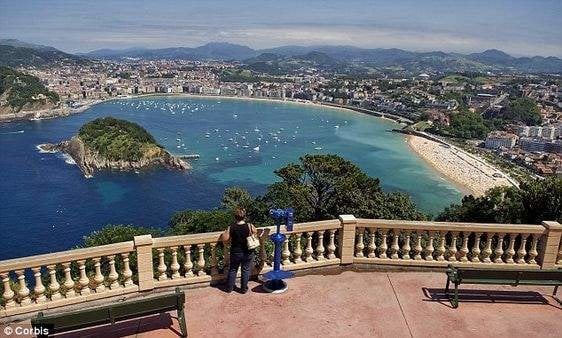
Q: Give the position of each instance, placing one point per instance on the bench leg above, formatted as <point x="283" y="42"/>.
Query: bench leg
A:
<point x="455" y="300"/>
<point x="447" y="286"/>
<point x="181" y="320"/>
<point x="555" y="290"/>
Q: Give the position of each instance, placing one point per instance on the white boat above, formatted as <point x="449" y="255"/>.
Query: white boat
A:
<point x="257" y="148"/>
<point x="318" y="148"/>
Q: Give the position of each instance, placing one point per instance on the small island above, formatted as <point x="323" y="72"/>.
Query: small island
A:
<point x="114" y="144"/>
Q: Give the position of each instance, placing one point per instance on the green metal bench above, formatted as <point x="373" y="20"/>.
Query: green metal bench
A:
<point x="115" y="312"/>
<point x="513" y="277"/>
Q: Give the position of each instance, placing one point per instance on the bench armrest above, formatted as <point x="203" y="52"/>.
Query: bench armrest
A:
<point x="452" y="274"/>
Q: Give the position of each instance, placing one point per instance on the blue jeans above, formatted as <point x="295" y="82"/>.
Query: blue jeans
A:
<point x="237" y="259"/>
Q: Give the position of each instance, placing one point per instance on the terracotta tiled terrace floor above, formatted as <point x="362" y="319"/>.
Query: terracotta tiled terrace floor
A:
<point x="358" y="304"/>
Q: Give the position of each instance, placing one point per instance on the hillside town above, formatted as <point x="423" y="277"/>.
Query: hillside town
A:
<point x="429" y="101"/>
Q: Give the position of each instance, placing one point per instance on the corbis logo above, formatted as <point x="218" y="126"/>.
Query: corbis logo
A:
<point x="26" y="331"/>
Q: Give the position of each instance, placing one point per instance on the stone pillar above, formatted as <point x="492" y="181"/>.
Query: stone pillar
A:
<point x="550" y="247"/>
<point x="143" y="247"/>
<point x="346" y="242"/>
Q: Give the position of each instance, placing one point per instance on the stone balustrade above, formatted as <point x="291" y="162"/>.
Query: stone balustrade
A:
<point x="440" y="244"/>
<point x="48" y="281"/>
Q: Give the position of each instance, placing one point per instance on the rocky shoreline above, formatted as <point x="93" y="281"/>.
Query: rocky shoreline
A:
<point x="90" y="161"/>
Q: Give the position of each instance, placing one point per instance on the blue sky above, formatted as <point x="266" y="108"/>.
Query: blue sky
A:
<point x="517" y="27"/>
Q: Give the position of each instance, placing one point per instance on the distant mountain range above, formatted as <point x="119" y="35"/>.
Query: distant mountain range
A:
<point x="280" y="59"/>
<point x="379" y="57"/>
<point x="15" y="53"/>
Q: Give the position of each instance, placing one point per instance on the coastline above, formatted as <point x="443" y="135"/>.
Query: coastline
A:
<point x="470" y="175"/>
<point x="55" y="113"/>
<point x="473" y="176"/>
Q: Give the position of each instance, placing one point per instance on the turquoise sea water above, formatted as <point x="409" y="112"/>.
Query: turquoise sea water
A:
<point x="47" y="205"/>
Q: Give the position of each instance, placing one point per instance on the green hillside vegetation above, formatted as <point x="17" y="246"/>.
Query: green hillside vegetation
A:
<point x="525" y="110"/>
<point x="467" y="125"/>
<point x="19" y="89"/>
<point x="119" y="139"/>
<point x="11" y="56"/>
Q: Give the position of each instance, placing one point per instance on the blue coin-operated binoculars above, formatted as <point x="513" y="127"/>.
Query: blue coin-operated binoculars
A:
<point x="274" y="279"/>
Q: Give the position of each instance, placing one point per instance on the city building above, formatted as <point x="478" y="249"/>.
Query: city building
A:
<point x="497" y="140"/>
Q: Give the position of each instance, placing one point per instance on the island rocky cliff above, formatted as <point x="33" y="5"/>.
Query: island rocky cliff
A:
<point x="112" y="144"/>
<point x="90" y="161"/>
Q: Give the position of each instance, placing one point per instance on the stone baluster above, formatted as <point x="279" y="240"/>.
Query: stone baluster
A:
<point x="68" y="282"/>
<point x="418" y="247"/>
<point x="23" y="291"/>
<point x="201" y="260"/>
<point x="559" y="262"/>
<point x="308" y="251"/>
<point x="54" y="285"/>
<point x="522" y="252"/>
<point x="533" y="252"/>
<point x="8" y="294"/>
<point x="453" y="247"/>
<point x="383" y="247"/>
<point x="286" y="253"/>
<point x="511" y="249"/>
<point x="487" y="252"/>
<point x="39" y="289"/>
<point x="498" y="252"/>
<point x="113" y="276"/>
<point x="320" y="247"/>
<point x="395" y="248"/>
<point x="127" y="273"/>
<point x="360" y="245"/>
<point x="175" y="266"/>
<point x="476" y="248"/>
<point x="463" y="252"/>
<point x="297" y="254"/>
<point x="188" y="265"/>
<point x="406" y="247"/>
<point x="162" y="268"/>
<point x="372" y="246"/>
<point x="441" y="248"/>
<point x="263" y="253"/>
<point x="214" y="262"/>
<point x="84" y="281"/>
<point x="98" y="278"/>
<point x="332" y="244"/>
<point x="226" y="254"/>
<point x="429" y="247"/>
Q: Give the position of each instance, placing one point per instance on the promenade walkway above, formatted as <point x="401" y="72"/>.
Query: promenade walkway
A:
<point x="358" y="304"/>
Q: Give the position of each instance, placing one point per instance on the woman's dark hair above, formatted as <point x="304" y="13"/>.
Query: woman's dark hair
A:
<point x="239" y="214"/>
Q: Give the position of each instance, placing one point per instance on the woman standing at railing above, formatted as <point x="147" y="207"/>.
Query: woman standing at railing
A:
<point x="240" y="234"/>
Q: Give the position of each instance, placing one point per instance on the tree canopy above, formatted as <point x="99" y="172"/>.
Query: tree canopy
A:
<point x="114" y="233"/>
<point x="525" y="110"/>
<point x="466" y="125"/>
<point x="117" y="139"/>
<point x="535" y="201"/>
<point x="322" y="187"/>
<point x="21" y="89"/>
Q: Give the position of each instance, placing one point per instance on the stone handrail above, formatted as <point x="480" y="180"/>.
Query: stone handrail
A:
<point x="441" y="244"/>
<point x="31" y="284"/>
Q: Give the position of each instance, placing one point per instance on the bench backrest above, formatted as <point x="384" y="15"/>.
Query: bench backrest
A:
<point x="510" y="275"/>
<point x="111" y="313"/>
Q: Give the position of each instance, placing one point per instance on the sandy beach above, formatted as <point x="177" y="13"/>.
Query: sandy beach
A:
<point x="469" y="173"/>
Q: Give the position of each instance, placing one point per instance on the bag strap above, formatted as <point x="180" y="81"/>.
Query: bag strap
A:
<point x="250" y="228"/>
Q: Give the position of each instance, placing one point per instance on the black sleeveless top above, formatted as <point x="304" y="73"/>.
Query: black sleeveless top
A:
<point x="238" y="237"/>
